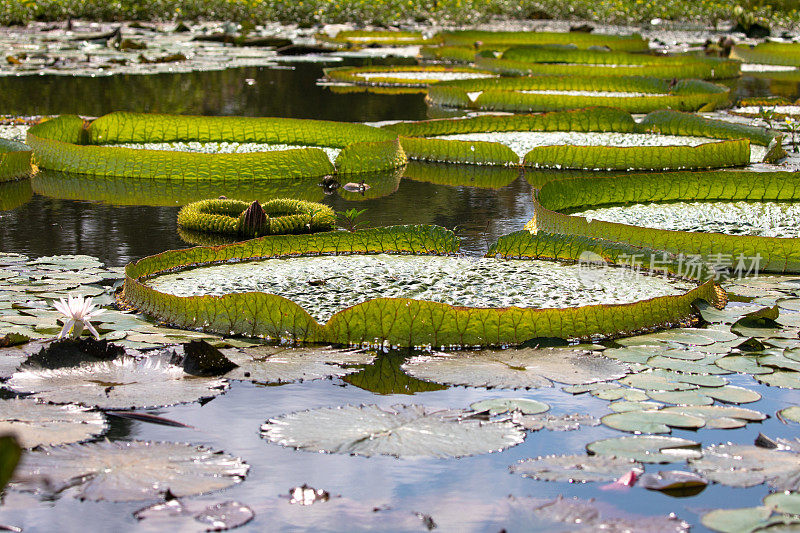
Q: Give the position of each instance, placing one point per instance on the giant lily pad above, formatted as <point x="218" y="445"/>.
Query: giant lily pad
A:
<point x="122" y="383"/>
<point x="130" y="470"/>
<point x="647" y="448"/>
<point x="402" y="431"/>
<point x="273" y="364"/>
<point x="739" y="465"/>
<point x="513" y="369"/>
<point x="36" y="424"/>
<point x="575" y="468"/>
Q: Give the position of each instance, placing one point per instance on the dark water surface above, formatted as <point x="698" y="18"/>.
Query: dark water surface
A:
<point x="123" y="220"/>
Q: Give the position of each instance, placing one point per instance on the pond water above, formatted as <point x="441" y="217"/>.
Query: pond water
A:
<point x="119" y="222"/>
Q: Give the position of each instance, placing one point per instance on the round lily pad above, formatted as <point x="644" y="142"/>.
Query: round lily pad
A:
<point x="745" y="364"/>
<point x="276" y="364"/>
<point x="647" y="448"/>
<point x="402" y="431"/>
<point x="122" y="383"/>
<point x="781" y="378"/>
<point x="720" y="416"/>
<point x="790" y="413"/>
<point x="498" y="406"/>
<point x="680" y="365"/>
<point x="672" y="480"/>
<point x="784" y="502"/>
<point x="731" y="394"/>
<point x="512" y="369"/>
<point x="737" y="520"/>
<point x="623" y="406"/>
<point x="35" y="424"/>
<point x="684" y="397"/>
<point x="739" y="465"/>
<point x="655" y="421"/>
<point x="569" y="422"/>
<point x="131" y="470"/>
<point x="575" y="468"/>
<point x="654" y="381"/>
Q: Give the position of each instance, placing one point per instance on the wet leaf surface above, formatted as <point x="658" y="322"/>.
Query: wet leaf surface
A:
<point x="647" y="448"/>
<point x="402" y="431"/>
<point x="575" y="468"/>
<point x="740" y="465"/>
<point x="128" y="470"/>
<point x="36" y="424"/>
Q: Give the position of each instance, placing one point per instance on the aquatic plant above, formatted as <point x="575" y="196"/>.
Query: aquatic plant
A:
<point x="359" y="38"/>
<point x="278" y="216"/>
<point x="472" y="140"/>
<point x="553" y="93"/>
<point x="491" y="39"/>
<point x="68" y="144"/>
<point x="15" y="160"/>
<point x="770" y="53"/>
<point x="401" y="321"/>
<point x="765" y="254"/>
<point x="524" y="61"/>
<point x="79" y="311"/>
<point x="403" y="76"/>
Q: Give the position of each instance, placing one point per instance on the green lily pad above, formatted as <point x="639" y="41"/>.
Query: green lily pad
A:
<point x="654" y="421"/>
<point x="402" y="431"/>
<point x="701" y="380"/>
<point x="742" y="520"/>
<point x="570" y="422"/>
<point x="654" y="381"/>
<point x="514" y="369"/>
<point x="633" y="354"/>
<point x="784" y="502"/>
<point x="739" y="465"/>
<point x="790" y="413"/>
<point x="779" y="361"/>
<point x="672" y="480"/>
<point x="575" y="468"/>
<point x="781" y="378"/>
<point x="497" y="406"/>
<point x="130" y="470"/>
<point x="685" y="397"/>
<point x="731" y="394"/>
<point x="745" y="364"/>
<point x="122" y="383"/>
<point x="273" y="364"/>
<point x="647" y="448"/>
<point x="720" y="416"/>
<point x="624" y="406"/>
<point x="620" y="393"/>
<point x="679" y="365"/>
<point x="36" y="424"/>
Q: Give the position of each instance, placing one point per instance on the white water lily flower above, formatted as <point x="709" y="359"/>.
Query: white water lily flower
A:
<point x="78" y="312"/>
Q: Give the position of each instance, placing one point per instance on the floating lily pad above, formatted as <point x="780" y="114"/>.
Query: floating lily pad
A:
<point x="790" y="413"/>
<point x="647" y="448"/>
<point x="626" y="405"/>
<point x="569" y="422"/>
<point x="498" y="406"/>
<point x="176" y="515"/>
<point x="774" y="360"/>
<point x="274" y="364"/>
<point x="402" y="431"/>
<point x="620" y="393"/>
<point x="719" y="416"/>
<point x="701" y="380"/>
<point x="122" y="383"/>
<point x="654" y="381"/>
<point x="36" y="424"/>
<point x="655" y="421"/>
<point x="739" y="465"/>
<point x="514" y="369"/>
<point x="781" y="378"/>
<point x="685" y="397"/>
<point x="130" y="470"/>
<point x="784" y="502"/>
<point x="742" y="520"/>
<point x="745" y="364"/>
<point x="731" y="394"/>
<point x="575" y="468"/>
<point x="680" y="365"/>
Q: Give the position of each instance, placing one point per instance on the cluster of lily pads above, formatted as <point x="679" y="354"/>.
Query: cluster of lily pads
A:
<point x="566" y="277"/>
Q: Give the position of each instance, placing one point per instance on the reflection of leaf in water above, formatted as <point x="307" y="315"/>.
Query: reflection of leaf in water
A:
<point x="402" y="431"/>
<point x="131" y="470"/>
<point x="176" y="515"/>
<point x="739" y="465"/>
<point x="278" y="364"/>
<point x="122" y="383"/>
<point x="513" y="369"/>
<point x="384" y="376"/>
<point x="37" y="423"/>
<point x="575" y="468"/>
